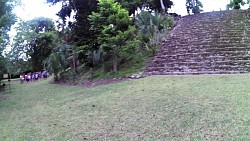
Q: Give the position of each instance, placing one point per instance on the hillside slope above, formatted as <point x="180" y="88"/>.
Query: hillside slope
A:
<point x="206" y="43"/>
<point x="156" y="108"/>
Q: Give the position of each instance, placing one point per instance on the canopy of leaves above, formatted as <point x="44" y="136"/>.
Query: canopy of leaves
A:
<point x="149" y="24"/>
<point x="35" y="39"/>
<point x="80" y="27"/>
<point x="78" y="30"/>
<point x="117" y="35"/>
<point x="157" y="5"/>
<point x="57" y="62"/>
<point x="194" y="5"/>
<point x="133" y="5"/>
<point x="151" y="27"/>
<point x="7" y="19"/>
<point x="236" y="4"/>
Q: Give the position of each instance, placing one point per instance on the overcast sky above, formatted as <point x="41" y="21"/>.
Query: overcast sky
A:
<point x="208" y="5"/>
<point x="38" y="8"/>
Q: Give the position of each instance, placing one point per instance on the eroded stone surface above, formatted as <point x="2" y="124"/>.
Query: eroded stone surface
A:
<point x="206" y="43"/>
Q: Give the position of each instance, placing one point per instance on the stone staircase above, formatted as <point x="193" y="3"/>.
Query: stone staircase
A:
<point x="206" y="43"/>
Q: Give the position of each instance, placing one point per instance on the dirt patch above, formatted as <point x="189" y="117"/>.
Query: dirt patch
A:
<point x="94" y="83"/>
<point x="91" y="84"/>
<point x="66" y="83"/>
<point x="4" y="97"/>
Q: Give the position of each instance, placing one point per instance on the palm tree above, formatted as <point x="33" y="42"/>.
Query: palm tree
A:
<point x="58" y="62"/>
<point x="151" y="27"/>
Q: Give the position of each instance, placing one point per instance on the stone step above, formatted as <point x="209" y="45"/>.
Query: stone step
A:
<point x="219" y="24"/>
<point x="206" y="43"/>
<point x="204" y="55"/>
<point x="207" y="32"/>
<point x="204" y="49"/>
<point x="198" y="62"/>
<point x="195" y="69"/>
<point x="195" y="73"/>
<point x="206" y="46"/>
<point x="200" y="59"/>
<point x="208" y="37"/>
<point x="207" y="28"/>
<point x="200" y="66"/>
<point x="204" y="52"/>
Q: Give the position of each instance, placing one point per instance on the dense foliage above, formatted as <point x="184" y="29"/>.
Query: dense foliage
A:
<point x="151" y="27"/>
<point x="194" y="6"/>
<point x="7" y="19"/>
<point x="79" y="28"/>
<point x="117" y="36"/>
<point x="236" y="4"/>
<point x="57" y="63"/>
<point x="133" y="5"/>
<point x="34" y="41"/>
<point x="104" y="36"/>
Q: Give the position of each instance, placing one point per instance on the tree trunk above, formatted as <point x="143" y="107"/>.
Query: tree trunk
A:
<point x="193" y="3"/>
<point x="55" y="77"/>
<point x="115" y="62"/>
<point x="74" y="64"/>
<point x="74" y="69"/>
<point x="162" y="6"/>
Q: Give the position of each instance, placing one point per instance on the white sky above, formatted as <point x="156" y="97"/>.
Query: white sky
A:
<point x="208" y="5"/>
<point x="38" y="8"/>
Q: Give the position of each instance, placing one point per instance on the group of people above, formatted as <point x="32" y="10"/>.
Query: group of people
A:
<point x="29" y="77"/>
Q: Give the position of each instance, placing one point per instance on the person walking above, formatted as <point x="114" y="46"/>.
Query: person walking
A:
<point x="21" y="79"/>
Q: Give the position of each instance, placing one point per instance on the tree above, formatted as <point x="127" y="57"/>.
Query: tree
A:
<point x="157" y="5"/>
<point x="7" y="19"/>
<point x="117" y="35"/>
<point x="151" y="27"/>
<point x="2" y="66"/>
<point x="248" y="2"/>
<point x="35" y="39"/>
<point x="161" y="5"/>
<point x="80" y="27"/>
<point x="58" y="62"/>
<point x="85" y="39"/>
<point x="236" y="4"/>
<point x="194" y="5"/>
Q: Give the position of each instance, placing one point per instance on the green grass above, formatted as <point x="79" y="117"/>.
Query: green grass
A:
<point x="213" y="107"/>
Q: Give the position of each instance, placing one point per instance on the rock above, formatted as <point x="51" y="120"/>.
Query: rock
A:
<point x="133" y="76"/>
<point x="137" y="76"/>
<point x="141" y="75"/>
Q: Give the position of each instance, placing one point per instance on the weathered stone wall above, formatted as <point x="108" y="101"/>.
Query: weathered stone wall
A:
<point x="206" y="43"/>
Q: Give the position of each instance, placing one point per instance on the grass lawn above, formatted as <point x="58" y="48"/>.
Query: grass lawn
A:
<point x="212" y="107"/>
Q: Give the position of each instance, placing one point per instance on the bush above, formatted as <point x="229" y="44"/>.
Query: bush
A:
<point x="152" y="27"/>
